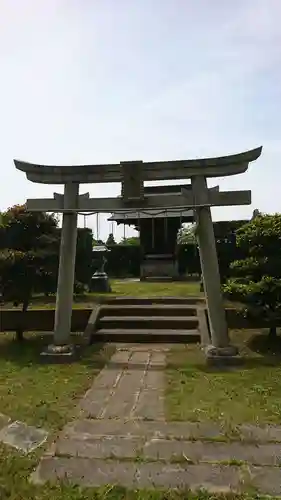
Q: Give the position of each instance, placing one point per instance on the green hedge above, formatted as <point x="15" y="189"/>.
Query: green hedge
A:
<point x="84" y="263"/>
<point x="123" y="260"/>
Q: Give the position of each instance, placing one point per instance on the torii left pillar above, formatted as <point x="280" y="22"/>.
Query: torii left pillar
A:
<point x="62" y="330"/>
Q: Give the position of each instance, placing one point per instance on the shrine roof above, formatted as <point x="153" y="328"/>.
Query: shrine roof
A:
<point x="152" y="171"/>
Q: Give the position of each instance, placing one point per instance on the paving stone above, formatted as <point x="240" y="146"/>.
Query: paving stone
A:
<point x="85" y="472"/>
<point x="4" y="420"/>
<point x="213" y="478"/>
<point x="192" y="430"/>
<point x="261" y="434"/>
<point x="91" y="472"/>
<point x="158" y="360"/>
<point x="147" y="347"/>
<point x="121" y="357"/>
<point x="150" y="429"/>
<point x="23" y="437"/>
<point x="94" y="401"/>
<point x="150" y="405"/>
<point x="267" y="480"/>
<point x="95" y="428"/>
<point x="106" y="379"/>
<point x="99" y="447"/>
<point x="153" y="379"/>
<point x="124" y="398"/>
<point x="269" y="454"/>
<point x="139" y="357"/>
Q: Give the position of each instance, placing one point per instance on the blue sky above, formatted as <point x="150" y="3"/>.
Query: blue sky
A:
<point x="96" y="81"/>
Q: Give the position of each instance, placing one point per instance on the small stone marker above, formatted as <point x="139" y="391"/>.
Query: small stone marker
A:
<point x="23" y="437"/>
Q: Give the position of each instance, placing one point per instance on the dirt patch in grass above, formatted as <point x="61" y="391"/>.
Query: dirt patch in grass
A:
<point x="235" y="395"/>
<point x="41" y="394"/>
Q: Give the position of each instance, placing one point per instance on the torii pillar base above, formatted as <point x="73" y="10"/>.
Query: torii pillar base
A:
<point x="223" y="356"/>
<point x="220" y="350"/>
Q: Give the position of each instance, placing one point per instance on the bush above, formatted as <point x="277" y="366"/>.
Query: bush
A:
<point x="256" y="280"/>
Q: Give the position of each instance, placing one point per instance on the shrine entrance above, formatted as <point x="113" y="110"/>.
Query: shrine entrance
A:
<point x="197" y="197"/>
<point x="158" y="231"/>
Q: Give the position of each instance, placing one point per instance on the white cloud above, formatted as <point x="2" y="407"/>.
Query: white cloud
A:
<point x="85" y="82"/>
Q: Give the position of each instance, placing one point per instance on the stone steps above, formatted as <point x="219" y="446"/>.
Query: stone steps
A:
<point x="148" y="310"/>
<point x="148" y="322"/>
<point x="148" y="319"/>
<point x="148" y="335"/>
<point x="153" y="300"/>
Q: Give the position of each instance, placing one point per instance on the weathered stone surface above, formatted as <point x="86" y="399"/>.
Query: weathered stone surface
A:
<point x="153" y="380"/>
<point x="199" y="451"/>
<point x="139" y="357"/>
<point x="94" y="402"/>
<point x="158" y="360"/>
<point x="91" y="472"/>
<point x="4" y="420"/>
<point x="120" y="357"/>
<point x="213" y="478"/>
<point x="192" y="430"/>
<point x="23" y="437"/>
<point x="126" y="446"/>
<point x="86" y="472"/>
<point x="176" y="430"/>
<point x="147" y="347"/>
<point x="127" y="387"/>
<point x="107" y="379"/>
<point x="103" y="447"/>
<point x="150" y="405"/>
<point x="266" y="480"/>
<point x="262" y="434"/>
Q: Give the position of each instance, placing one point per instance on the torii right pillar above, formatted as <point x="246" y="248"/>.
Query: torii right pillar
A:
<point x="220" y="348"/>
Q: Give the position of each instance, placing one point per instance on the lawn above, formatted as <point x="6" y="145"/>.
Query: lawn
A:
<point x="44" y="394"/>
<point x="124" y="288"/>
<point x="249" y="393"/>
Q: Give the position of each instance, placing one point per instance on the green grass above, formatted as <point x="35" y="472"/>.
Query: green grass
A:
<point x="249" y="393"/>
<point x="124" y="289"/>
<point x="141" y="288"/>
<point x="42" y="394"/>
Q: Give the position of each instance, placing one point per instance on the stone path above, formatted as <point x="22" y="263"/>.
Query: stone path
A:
<point x="121" y="437"/>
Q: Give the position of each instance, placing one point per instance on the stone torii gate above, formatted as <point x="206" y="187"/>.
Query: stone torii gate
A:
<point x="132" y="175"/>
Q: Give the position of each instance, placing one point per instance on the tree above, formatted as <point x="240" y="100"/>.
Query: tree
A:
<point x="28" y="243"/>
<point x="97" y="243"/>
<point x="256" y="280"/>
<point x="132" y="240"/>
<point x="110" y="240"/>
<point x="187" y="235"/>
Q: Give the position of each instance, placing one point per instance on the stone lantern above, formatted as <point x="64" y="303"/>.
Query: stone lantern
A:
<point x="100" y="282"/>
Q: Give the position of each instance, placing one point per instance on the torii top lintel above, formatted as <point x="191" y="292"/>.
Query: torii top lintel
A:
<point x="159" y="170"/>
